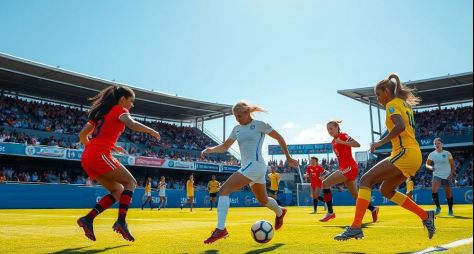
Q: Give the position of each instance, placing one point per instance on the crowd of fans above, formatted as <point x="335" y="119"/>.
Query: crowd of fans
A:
<point x="449" y="121"/>
<point x="177" y="142"/>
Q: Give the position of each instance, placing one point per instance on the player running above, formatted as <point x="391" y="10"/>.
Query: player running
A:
<point x="348" y="171"/>
<point x="313" y="172"/>
<point x="274" y="184"/>
<point x="213" y="186"/>
<point x="249" y="134"/>
<point x="404" y="161"/>
<point x="441" y="162"/>
<point x="147" y="196"/>
<point x="106" y="121"/>
<point x="162" y="192"/>
<point x="189" y="193"/>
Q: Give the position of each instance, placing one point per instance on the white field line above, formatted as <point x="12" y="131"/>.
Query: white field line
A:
<point x="446" y="247"/>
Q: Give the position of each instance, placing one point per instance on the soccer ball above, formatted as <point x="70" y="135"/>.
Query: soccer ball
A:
<point x="262" y="231"/>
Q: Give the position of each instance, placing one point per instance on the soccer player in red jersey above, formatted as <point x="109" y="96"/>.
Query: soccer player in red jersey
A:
<point x="313" y="172"/>
<point x="348" y="171"/>
<point x="107" y="119"/>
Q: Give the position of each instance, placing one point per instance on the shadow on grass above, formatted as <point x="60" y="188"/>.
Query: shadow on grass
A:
<point x="267" y="249"/>
<point x="81" y="251"/>
<point x="211" y="252"/>
<point x="432" y="250"/>
<point x="364" y="225"/>
<point x="455" y="217"/>
<point x="344" y="252"/>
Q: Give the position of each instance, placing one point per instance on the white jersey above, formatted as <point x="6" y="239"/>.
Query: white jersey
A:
<point x="162" y="192"/>
<point x="442" y="167"/>
<point x="250" y="139"/>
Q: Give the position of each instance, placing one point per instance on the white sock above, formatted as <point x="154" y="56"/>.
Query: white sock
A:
<point x="273" y="205"/>
<point x="222" y="209"/>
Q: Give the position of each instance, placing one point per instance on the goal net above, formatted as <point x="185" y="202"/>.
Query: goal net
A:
<point x="303" y="194"/>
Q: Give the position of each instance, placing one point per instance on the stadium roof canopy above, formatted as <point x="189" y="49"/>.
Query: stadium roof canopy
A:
<point x="28" y="78"/>
<point x="435" y="92"/>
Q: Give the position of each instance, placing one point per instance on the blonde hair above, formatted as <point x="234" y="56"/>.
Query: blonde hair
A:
<point x="336" y="123"/>
<point x="243" y="106"/>
<point x="399" y="90"/>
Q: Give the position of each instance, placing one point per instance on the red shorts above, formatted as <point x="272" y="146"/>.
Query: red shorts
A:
<point x="318" y="184"/>
<point x="351" y="171"/>
<point x="96" y="162"/>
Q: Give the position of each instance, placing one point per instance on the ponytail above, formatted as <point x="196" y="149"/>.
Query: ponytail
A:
<point x="336" y="123"/>
<point x="399" y="90"/>
<point x="243" y="106"/>
<point x="106" y="99"/>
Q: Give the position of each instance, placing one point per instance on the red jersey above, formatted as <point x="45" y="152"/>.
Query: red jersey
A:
<point x="343" y="152"/>
<point x="107" y="130"/>
<point x="314" y="172"/>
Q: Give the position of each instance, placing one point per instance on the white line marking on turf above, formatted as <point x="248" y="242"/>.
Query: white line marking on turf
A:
<point x="446" y="247"/>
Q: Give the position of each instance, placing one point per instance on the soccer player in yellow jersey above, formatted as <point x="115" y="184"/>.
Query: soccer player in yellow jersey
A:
<point x="274" y="182"/>
<point x="213" y="188"/>
<point x="147" y="196"/>
<point x="189" y="192"/>
<point x="404" y="161"/>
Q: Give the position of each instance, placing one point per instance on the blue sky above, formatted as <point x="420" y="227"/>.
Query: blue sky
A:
<point x="288" y="56"/>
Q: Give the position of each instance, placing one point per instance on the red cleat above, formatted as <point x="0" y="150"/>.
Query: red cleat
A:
<point x="329" y="216"/>
<point x="375" y="214"/>
<point x="279" y="220"/>
<point x="216" y="235"/>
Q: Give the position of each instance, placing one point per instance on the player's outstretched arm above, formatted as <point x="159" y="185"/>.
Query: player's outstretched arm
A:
<point x="218" y="149"/>
<point x="275" y="135"/>
<point x="136" y="126"/>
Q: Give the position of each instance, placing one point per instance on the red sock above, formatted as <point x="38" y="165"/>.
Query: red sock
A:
<point x="104" y="203"/>
<point x="125" y="200"/>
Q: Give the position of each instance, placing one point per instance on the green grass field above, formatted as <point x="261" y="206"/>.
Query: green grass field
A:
<point x="176" y="231"/>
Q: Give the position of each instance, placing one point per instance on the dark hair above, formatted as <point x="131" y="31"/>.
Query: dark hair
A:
<point x="315" y="158"/>
<point x="106" y="99"/>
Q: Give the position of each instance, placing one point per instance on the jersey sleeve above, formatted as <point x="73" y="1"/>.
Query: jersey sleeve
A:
<point x="91" y="122"/>
<point x="393" y="108"/>
<point x="233" y="134"/>
<point x="118" y="111"/>
<point x="264" y="127"/>
<point x="450" y="156"/>
<point x="430" y="156"/>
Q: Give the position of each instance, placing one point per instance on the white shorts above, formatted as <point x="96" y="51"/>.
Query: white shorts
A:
<point x="162" y="193"/>
<point x="148" y="194"/>
<point x="255" y="171"/>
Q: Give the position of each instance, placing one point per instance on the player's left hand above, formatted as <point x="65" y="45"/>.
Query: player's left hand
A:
<point x="119" y="149"/>
<point x="374" y="146"/>
<point x="292" y="163"/>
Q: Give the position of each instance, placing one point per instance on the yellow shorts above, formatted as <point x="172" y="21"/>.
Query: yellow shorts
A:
<point x="407" y="160"/>
<point x="190" y="194"/>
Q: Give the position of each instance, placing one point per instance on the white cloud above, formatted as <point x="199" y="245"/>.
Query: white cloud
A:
<point x="288" y="125"/>
<point x="313" y="135"/>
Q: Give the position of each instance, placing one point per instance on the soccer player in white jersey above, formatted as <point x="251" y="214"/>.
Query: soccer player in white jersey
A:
<point x="441" y="162"/>
<point x="249" y="134"/>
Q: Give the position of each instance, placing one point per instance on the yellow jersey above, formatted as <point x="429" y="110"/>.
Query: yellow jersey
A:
<point x="274" y="181"/>
<point x="190" y="188"/>
<point x="148" y="188"/>
<point x="407" y="138"/>
<point x="213" y="186"/>
<point x="410" y="185"/>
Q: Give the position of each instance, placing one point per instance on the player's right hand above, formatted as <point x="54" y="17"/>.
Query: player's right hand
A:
<point x="156" y="135"/>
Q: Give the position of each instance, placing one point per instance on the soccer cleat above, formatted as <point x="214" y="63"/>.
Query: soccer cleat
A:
<point x="216" y="235"/>
<point x="451" y="213"/>
<point x="438" y="210"/>
<point x="87" y="226"/>
<point x="279" y="219"/>
<point x="349" y="233"/>
<point x="429" y="224"/>
<point x="329" y="216"/>
<point x="123" y="230"/>
<point x="375" y="214"/>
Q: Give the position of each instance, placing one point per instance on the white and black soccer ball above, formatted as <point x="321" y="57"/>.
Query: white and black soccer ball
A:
<point x="262" y="231"/>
